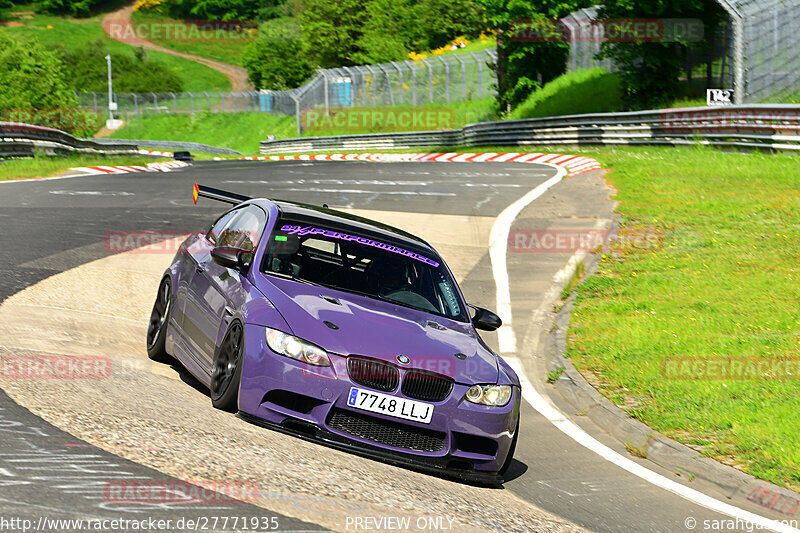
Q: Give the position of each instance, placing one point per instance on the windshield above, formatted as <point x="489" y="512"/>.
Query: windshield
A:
<point x="347" y="261"/>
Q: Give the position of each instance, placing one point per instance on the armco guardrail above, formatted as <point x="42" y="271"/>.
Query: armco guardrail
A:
<point x="774" y="127"/>
<point x="16" y="149"/>
<point x="170" y="145"/>
<point x="53" y="142"/>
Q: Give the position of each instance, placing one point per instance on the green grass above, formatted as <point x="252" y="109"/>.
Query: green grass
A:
<point x="582" y="91"/>
<point x="688" y="102"/>
<point x="74" y="33"/>
<point x="239" y="131"/>
<point x="43" y="166"/>
<point x="224" y="46"/>
<point x="721" y="283"/>
<point x="244" y="131"/>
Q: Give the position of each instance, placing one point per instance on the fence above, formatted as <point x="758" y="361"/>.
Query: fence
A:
<point x="772" y="127"/>
<point x="440" y="79"/>
<point x="768" y="41"/>
<point x="755" y="52"/>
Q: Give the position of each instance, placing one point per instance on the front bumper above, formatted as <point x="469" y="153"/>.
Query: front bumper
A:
<point x="463" y="440"/>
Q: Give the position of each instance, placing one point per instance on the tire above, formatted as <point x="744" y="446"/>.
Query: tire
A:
<point x="226" y="369"/>
<point x="159" y="318"/>
<point x="509" y="458"/>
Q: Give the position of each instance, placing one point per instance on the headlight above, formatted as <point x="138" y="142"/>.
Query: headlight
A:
<point x="296" y="348"/>
<point x="496" y="395"/>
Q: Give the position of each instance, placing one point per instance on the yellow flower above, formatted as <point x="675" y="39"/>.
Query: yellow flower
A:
<point x="49" y="27"/>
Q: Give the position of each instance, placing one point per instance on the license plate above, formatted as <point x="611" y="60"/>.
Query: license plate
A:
<point x="377" y="402"/>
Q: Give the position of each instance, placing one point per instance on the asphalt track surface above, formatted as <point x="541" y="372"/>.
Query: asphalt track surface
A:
<point x="44" y="470"/>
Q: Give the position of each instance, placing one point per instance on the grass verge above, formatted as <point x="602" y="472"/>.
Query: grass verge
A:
<point x="221" y="44"/>
<point x="717" y="283"/>
<point x="238" y="131"/>
<point x="64" y="32"/>
<point x="46" y="166"/>
<point x="244" y="131"/>
<point x="582" y="91"/>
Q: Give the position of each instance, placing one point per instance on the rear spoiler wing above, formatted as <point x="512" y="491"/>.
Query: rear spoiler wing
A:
<point x="217" y="194"/>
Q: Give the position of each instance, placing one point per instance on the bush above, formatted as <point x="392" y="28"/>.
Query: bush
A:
<point x="583" y="91"/>
<point x="277" y="60"/>
<point x="35" y="89"/>
<point x="131" y="74"/>
<point x="80" y="8"/>
<point x="221" y="9"/>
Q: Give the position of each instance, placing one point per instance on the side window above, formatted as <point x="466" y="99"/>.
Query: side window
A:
<point x="244" y="231"/>
<point x="218" y="227"/>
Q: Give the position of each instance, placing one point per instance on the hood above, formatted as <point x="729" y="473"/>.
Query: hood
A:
<point x="382" y="330"/>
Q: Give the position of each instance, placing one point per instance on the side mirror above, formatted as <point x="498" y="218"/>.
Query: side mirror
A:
<point x="485" y="319"/>
<point x="230" y="257"/>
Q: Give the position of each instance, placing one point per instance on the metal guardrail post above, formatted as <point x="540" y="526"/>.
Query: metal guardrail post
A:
<point x="174" y="103"/>
<point x="446" y="78"/>
<point x="479" y="61"/>
<point x="136" y="104"/>
<point x="374" y="83"/>
<point x="326" y="88"/>
<point x="430" y="78"/>
<point x="208" y="101"/>
<point x="297" y="112"/>
<point x="388" y="85"/>
<point x="400" y="81"/>
<point x="191" y="100"/>
<point x="463" y="77"/>
<point x="155" y="103"/>
<point x="414" y="87"/>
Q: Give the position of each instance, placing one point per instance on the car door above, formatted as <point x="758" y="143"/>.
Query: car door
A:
<point x="217" y="292"/>
<point x="198" y="256"/>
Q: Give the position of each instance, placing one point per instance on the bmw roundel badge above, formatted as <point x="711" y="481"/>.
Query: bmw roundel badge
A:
<point x="403" y="359"/>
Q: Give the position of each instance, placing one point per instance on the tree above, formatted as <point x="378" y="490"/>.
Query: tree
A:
<point x="77" y="8"/>
<point x="32" y="76"/>
<point x="333" y="30"/>
<point x="35" y="88"/>
<point x="437" y="22"/>
<point x="277" y="59"/>
<point x="524" y="64"/>
<point x="386" y="33"/>
<point x="650" y="71"/>
<point x="132" y="73"/>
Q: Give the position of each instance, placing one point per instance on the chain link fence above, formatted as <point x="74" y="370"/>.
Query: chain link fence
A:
<point x="437" y="80"/>
<point x="756" y="51"/>
<point x="770" y="44"/>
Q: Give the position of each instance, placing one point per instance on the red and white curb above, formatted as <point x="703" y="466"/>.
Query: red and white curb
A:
<point x="573" y="163"/>
<point x="156" y="152"/>
<point x="151" y="167"/>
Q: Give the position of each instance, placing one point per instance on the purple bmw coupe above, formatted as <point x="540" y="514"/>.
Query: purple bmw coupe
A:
<point x="340" y="330"/>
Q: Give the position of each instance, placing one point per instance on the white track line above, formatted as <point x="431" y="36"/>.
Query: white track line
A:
<point x="498" y="245"/>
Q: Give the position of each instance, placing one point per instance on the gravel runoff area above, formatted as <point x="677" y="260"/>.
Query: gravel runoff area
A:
<point x="160" y="417"/>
